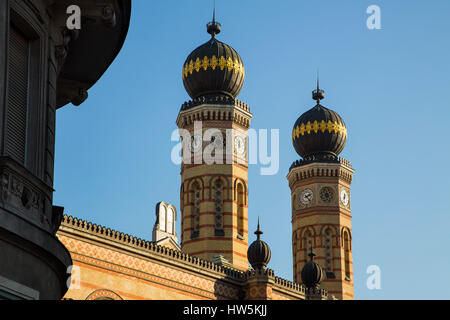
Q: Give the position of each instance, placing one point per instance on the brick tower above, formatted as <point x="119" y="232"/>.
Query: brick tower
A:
<point x="320" y="189"/>
<point x="213" y="127"/>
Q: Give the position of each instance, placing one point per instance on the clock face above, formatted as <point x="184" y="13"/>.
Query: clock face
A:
<point x="196" y="143"/>
<point x="239" y="145"/>
<point x="344" y="197"/>
<point x="306" y="196"/>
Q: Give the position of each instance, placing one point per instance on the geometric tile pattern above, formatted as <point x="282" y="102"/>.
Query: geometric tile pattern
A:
<point x="123" y="261"/>
<point x="103" y="295"/>
<point x="127" y="265"/>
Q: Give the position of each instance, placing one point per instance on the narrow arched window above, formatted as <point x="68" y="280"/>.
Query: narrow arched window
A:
<point x="293" y="201"/>
<point x="307" y="244"/>
<point x="195" y="206"/>
<point x="218" y="205"/>
<point x="294" y="254"/>
<point x="182" y="197"/>
<point x="182" y="211"/>
<point x="240" y="209"/>
<point x="347" y="255"/>
<point x="170" y="224"/>
<point x="328" y="246"/>
<point x="162" y="218"/>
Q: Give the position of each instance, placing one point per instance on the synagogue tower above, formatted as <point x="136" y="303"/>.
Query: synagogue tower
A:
<point x="320" y="191"/>
<point x="213" y="127"/>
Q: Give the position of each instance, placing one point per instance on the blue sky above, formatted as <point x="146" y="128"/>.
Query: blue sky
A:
<point x="113" y="152"/>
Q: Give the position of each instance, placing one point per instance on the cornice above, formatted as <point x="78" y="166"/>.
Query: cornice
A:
<point x="214" y="109"/>
<point x="124" y="241"/>
<point x="302" y="170"/>
<point x="85" y="229"/>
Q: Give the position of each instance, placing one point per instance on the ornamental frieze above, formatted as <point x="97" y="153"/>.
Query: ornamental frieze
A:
<point x="213" y="63"/>
<point x="16" y="193"/>
<point x="316" y="127"/>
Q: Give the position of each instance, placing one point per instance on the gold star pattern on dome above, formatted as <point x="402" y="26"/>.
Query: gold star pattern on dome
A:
<point x="205" y="63"/>
<point x="316" y="127"/>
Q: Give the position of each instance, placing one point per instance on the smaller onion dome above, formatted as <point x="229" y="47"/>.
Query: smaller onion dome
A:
<point x="319" y="134"/>
<point x="259" y="252"/>
<point x="312" y="273"/>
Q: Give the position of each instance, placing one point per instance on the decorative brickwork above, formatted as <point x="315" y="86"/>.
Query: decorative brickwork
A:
<point x="215" y="216"/>
<point x="114" y="265"/>
<point x="321" y="218"/>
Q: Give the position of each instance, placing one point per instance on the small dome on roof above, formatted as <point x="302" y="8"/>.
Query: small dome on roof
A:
<point x="259" y="253"/>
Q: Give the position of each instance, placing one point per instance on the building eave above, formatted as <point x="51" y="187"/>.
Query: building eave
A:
<point x="92" y="53"/>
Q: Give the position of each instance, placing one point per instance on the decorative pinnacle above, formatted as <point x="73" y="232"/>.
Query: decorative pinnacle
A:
<point x="318" y="94"/>
<point x="311" y="253"/>
<point x="258" y="232"/>
<point x="214" y="27"/>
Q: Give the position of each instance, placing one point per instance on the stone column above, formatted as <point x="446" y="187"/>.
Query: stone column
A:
<point x="259" y="284"/>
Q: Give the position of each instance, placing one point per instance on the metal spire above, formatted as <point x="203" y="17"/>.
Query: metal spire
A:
<point x="258" y="232"/>
<point x="318" y="94"/>
<point x="318" y="87"/>
<point x="214" y="27"/>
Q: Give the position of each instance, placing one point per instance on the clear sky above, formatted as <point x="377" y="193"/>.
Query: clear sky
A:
<point x="113" y="152"/>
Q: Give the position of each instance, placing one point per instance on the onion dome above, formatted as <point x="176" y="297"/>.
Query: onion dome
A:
<point x="319" y="134"/>
<point x="312" y="274"/>
<point x="214" y="68"/>
<point x="259" y="252"/>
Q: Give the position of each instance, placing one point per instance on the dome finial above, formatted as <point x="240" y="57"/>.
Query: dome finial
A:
<point x="214" y="27"/>
<point x="258" y="231"/>
<point x="201" y="75"/>
<point x="322" y="142"/>
<point x="318" y="86"/>
<point x="318" y="94"/>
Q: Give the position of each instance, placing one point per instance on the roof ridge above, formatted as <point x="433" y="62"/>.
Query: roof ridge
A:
<point x="151" y="246"/>
<point x="290" y="284"/>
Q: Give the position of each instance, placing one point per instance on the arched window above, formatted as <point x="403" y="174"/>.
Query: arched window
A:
<point x="240" y="211"/>
<point x="294" y="254"/>
<point x="182" y="211"/>
<point x="182" y="197"/>
<point x="103" y="294"/>
<point x="293" y="201"/>
<point x="307" y="244"/>
<point x="195" y="206"/>
<point x="170" y="216"/>
<point x="347" y="255"/>
<point x="328" y="245"/>
<point x="162" y="218"/>
<point x="218" y="203"/>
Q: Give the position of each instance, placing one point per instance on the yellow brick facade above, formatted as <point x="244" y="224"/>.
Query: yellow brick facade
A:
<point x="324" y="225"/>
<point x="115" y="266"/>
<point x="203" y="240"/>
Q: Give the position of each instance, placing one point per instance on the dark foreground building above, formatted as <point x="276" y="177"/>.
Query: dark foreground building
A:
<point x="43" y="66"/>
